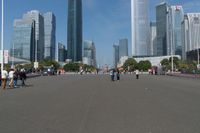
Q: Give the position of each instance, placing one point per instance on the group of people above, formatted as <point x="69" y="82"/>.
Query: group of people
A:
<point x="116" y="73"/>
<point x="12" y="77"/>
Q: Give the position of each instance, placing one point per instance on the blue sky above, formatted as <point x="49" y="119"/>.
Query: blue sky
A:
<point x="104" y="21"/>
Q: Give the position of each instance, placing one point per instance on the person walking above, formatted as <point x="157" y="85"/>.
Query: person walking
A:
<point x="11" y="76"/>
<point x="4" y="75"/>
<point x="15" y="77"/>
<point x="112" y="75"/>
<point x="118" y="75"/>
<point x="22" y="77"/>
<point x="137" y="73"/>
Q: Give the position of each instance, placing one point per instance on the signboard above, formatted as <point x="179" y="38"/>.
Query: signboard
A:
<point x="36" y="65"/>
<point x="6" y="55"/>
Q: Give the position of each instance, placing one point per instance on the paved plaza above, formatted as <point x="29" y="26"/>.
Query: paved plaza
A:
<point x="94" y="104"/>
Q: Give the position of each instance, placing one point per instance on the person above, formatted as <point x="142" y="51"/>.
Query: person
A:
<point x="4" y="75"/>
<point x="112" y="75"/>
<point x="11" y="76"/>
<point x="22" y="77"/>
<point x="118" y="75"/>
<point x="15" y="77"/>
<point x="137" y="74"/>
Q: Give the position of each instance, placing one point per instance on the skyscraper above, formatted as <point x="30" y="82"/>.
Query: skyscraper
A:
<point x="152" y="47"/>
<point x="161" y="24"/>
<point x="123" y="47"/>
<point x="61" y="52"/>
<point x="115" y="55"/>
<point x="74" y="30"/>
<point x="49" y="35"/>
<point x="174" y="18"/>
<point x="24" y="39"/>
<point x="190" y="32"/>
<point x="39" y="32"/>
<point x="140" y="27"/>
<point x="89" y="56"/>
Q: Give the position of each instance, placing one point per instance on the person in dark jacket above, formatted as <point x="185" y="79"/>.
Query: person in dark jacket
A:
<point x="22" y="77"/>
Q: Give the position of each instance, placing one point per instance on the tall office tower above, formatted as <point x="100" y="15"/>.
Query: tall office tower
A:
<point x="152" y="47"/>
<point x="89" y="56"/>
<point x="23" y="39"/>
<point x="161" y="24"/>
<point x="140" y="27"/>
<point x="49" y="35"/>
<point x="123" y="48"/>
<point x="61" y="52"/>
<point x="39" y="32"/>
<point x="115" y="55"/>
<point x="190" y="33"/>
<point x="74" y="30"/>
<point x="174" y="18"/>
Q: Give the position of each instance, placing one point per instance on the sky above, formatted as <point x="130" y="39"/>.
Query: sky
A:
<point x="104" y="21"/>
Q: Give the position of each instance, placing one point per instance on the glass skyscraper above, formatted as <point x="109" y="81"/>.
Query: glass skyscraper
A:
<point x="115" y="55"/>
<point x="161" y="24"/>
<point x="39" y="32"/>
<point x="24" y="39"/>
<point x="123" y="47"/>
<point x="152" y="47"/>
<point x="140" y="27"/>
<point x="190" y="33"/>
<point x="61" y="52"/>
<point x="89" y="55"/>
<point x="174" y="18"/>
<point x="74" y="30"/>
<point x="49" y="35"/>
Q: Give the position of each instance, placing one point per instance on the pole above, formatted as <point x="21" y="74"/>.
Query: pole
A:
<point x="2" y="34"/>
<point x="13" y="56"/>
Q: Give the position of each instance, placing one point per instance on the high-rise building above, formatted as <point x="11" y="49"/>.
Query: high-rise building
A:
<point x="123" y="47"/>
<point x="62" y="52"/>
<point x="174" y="18"/>
<point x="39" y="32"/>
<point x="74" y="30"/>
<point x="89" y="56"/>
<point x="49" y="35"/>
<point x="152" y="47"/>
<point x="140" y="27"/>
<point x="161" y="31"/>
<point x="23" y="39"/>
<point x="190" y="33"/>
<point x="115" y="55"/>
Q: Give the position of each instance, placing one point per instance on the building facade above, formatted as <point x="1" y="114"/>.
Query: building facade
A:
<point x="23" y="40"/>
<point x="39" y="32"/>
<point x="123" y="47"/>
<point x="62" y="52"/>
<point x="190" y="33"/>
<point x="152" y="47"/>
<point x="89" y="56"/>
<point x="174" y="18"/>
<point x="74" y="30"/>
<point x="49" y="35"/>
<point x="115" y="55"/>
<point x="140" y="27"/>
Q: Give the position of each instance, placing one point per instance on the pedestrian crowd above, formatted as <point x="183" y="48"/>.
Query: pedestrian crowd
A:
<point x="9" y="79"/>
<point x="116" y="73"/>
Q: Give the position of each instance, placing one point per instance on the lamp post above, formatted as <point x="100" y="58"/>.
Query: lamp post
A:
<point x="2" y="34"/>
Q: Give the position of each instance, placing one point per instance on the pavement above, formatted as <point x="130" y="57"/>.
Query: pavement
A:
<point x="94" y="104"/>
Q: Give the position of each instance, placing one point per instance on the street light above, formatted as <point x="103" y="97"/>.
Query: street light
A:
<point x="2" y="31"/>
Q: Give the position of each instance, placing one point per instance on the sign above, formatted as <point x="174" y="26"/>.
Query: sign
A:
<point x="5" y="57"/>
<point x="36" y="65"/>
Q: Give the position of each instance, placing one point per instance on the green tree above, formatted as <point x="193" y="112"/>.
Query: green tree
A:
<point x="72" y="67"/>
<point x="130" y="64"/>
<point x="144" y="65"/>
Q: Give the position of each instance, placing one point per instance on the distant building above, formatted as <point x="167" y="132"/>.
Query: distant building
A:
<point x="123" y="47"/>
<point x="89" y="56"/>
<point x="74" y="30"/>
<point x="152" y="47"/>
<point x="115" y="55"/>
<point x="161" y="31"/>
<point x="39" y="32"/>
<point x="49" y="36"/>
<point x="62" y="52"/>
<point x="23" y="40"/>
<point x="190" y="33"/>
<point x="174" y="18"/>
<point x="140" y="27"/>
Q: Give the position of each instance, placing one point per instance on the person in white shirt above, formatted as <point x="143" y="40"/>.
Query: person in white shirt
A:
<point x="4" y="75"/>
<point x="137" y="73"/>
<point x="11" y="76"/>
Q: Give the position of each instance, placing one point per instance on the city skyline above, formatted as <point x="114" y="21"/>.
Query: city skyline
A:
<point x="102" y="26"/>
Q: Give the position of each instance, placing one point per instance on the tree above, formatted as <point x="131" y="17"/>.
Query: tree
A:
<point x="144" y="65"/>
<point x="72" y="67"/>
<point x="43" y="63"/>
<point x="165" y="62"/>
<point x="130" y="64"/>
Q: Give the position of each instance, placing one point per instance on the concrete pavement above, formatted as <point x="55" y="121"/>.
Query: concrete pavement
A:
<point x="94" y="104"/>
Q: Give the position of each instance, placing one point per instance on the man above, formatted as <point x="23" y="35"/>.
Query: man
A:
<point x="11" y="76"/>
<point x="4" y="75"/>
